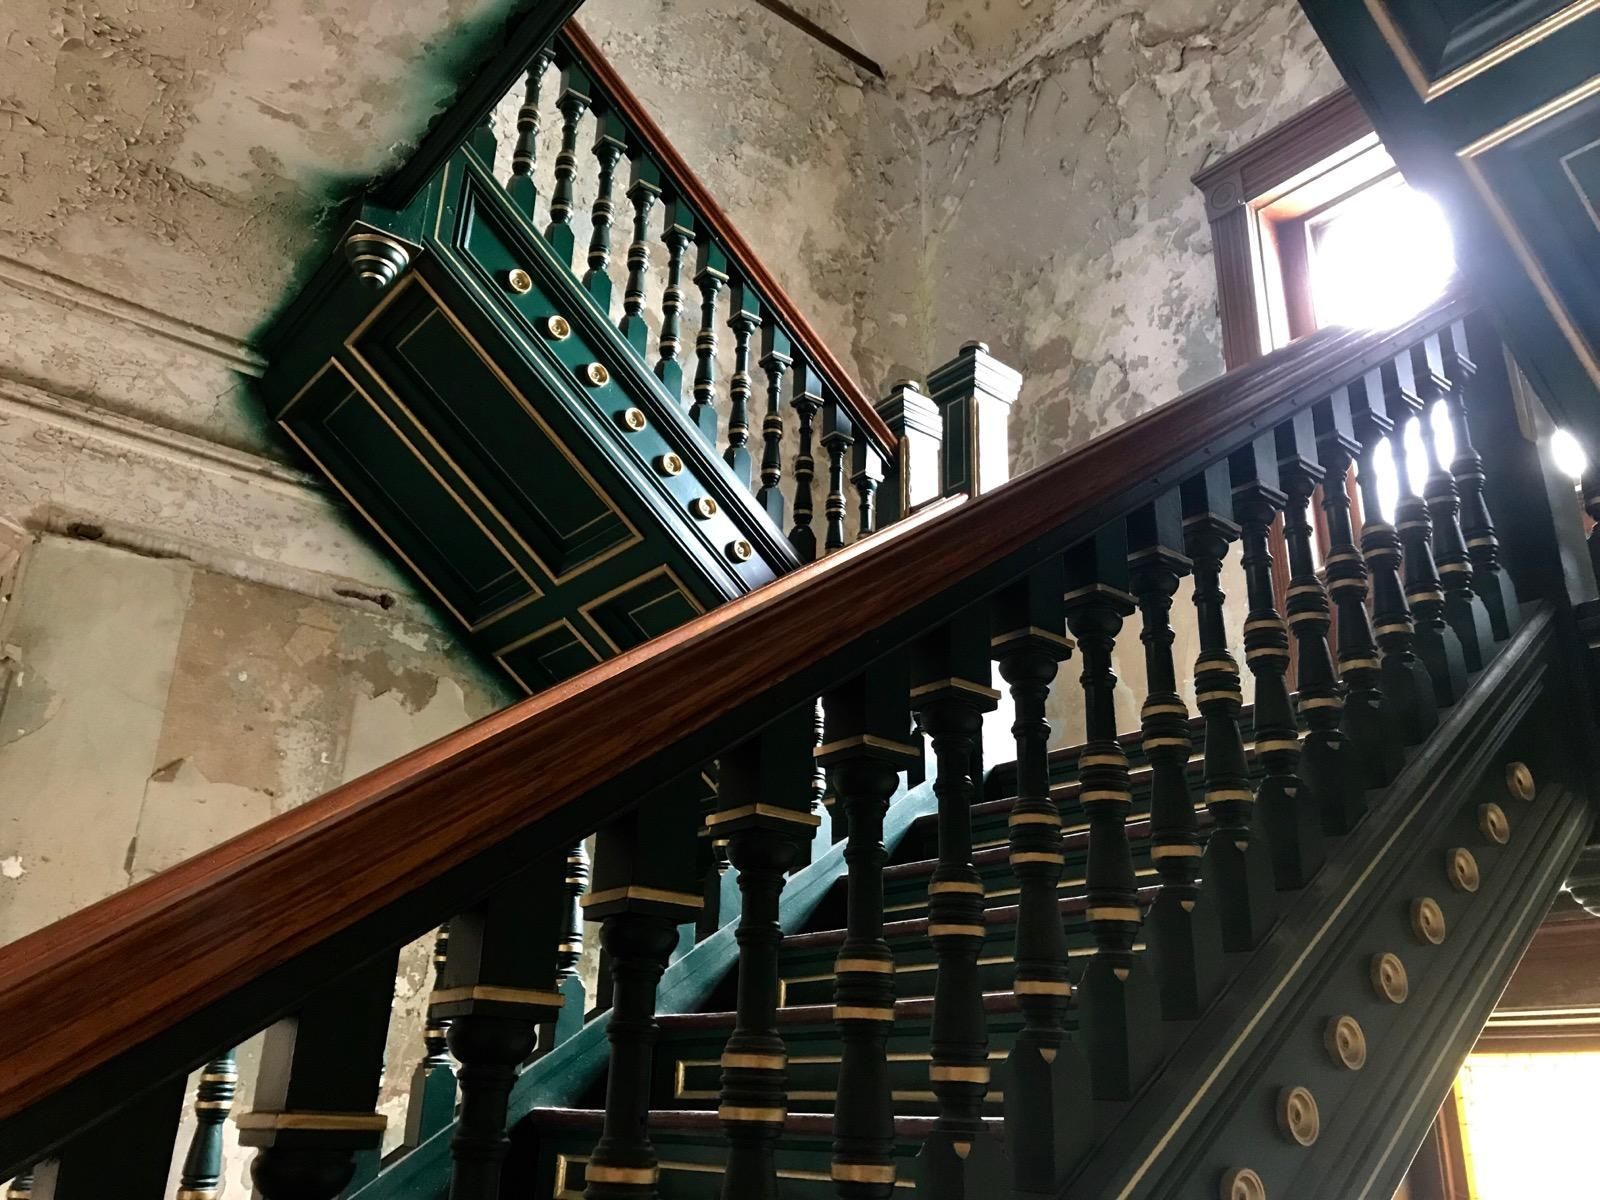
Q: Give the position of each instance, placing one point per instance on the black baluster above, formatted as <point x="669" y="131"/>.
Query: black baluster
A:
<point x="521" y="189"/>
<point x="644" y="888"/>
<point x="838" y="435"/>
<point x="776" y="359"/>
<point x="610" y="144"/>
<point x="1404" y="680"/>
<point x="1462" y="608"/>
<point x="1376" y="744"/>
<point x="1117" y="1000"/>
<point x="574" y="101"/>
<point x="432" y="1103"/>
<point x="866" y="473"/>
<point x="678" y="235"/>
<point x="950" y="692"/>
<point x="865" y="745"/>
<point x="807" y="402"/>
<point x="1240" y="865"/>
<point x="497" y="987"/>
<point x="201" y="1175"/>
<point x="764" y="810"/>
<point x="127" y="1154"/>
<point x="1336" y="788"/>
<point x="644" y="191"/>
<point x="569" y="952"/>
<point x="711" y="276"/>
<point x="1049" y="1120"/>
<point x="317" y="1088"/>
<point x="1181" y="928"/>
<point x="744" y="320"/>
<point x="1288" y="815"/>
<point x="1491" y="582"/>
<point x="1437" y="644"/>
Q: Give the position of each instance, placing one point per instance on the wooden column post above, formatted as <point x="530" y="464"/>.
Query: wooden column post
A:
<point x="913" y="478"/>
<point x="974" y="393"/>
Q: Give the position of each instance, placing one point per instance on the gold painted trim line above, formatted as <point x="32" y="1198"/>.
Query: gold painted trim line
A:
<point x="1105" y="795"/>
<point x="850" y="1012"/>
<point x="1219" y="795"/>
<point x="1152" y="710"/>
<point x="1115" y="914"/>
<point x="1034" y="818"/>
<point x="1175" y="852"/>
<point x="866" y="740"/>
<point x="327" y="1121"/>
<point x="775" y="812"/>
<point x="1028" y="631"/>
<point x="1100" y="589"/>
<point x="1042" y="987"/>
<point x="586" y="610"/>
<point x="938" y="1073"/>
<point x="1357" y="664"/>
<point x="658" y="895"/>
<point x="945" y="887"/>
<point x="973" y="931"/>
<point x="1272" y="744"/>
<point x="634" y="1175"/>
<point x="862" y="1172"/>
<point x="498" y="995"/>
<point x="1208" y="697"/>
<point x="860" y="966"/>
<point x="1039" y="856"/>
<point x="758" y="1116"/>
<point x="963" y="685"/>
<point x="1103" y="760"/>
<point x="499" y="655"/>
<point x="1431" y="89"/>
<point x="1395" y="627"/>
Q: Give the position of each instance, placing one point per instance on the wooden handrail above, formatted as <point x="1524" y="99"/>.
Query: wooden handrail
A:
<point x="689" y="186"/>
<point x="75" y="995"/>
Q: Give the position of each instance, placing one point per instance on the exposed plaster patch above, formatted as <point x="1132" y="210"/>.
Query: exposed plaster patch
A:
<point x="11" y="867"/>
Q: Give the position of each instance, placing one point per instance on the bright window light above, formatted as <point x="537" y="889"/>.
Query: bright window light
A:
<point x="1568" y="455"/>
<point x="1380" y="257"/>
<point x="1527" y="1124"/>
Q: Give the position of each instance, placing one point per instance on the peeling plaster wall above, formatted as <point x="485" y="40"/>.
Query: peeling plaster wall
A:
<point x="150" y="709"/>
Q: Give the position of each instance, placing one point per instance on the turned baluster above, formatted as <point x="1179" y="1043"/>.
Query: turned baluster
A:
<point x="644" y="191"/>
<point x="1492" y="583"/>
<point x="1287" y="814"/>
<point x="201" y="1175"/>
<point x="865" y="745"/>
<point x="1181" y="928"/>
<point x="1117" y="1001"/>
<point x="866" y="474"/>
<point x="764" y="810"/>
<point x="574" y="101"/>
<point x="317" y="1088"/>
<point x="744" y="321"/>
<point x="950" y="693"/>
<point x="521" y="189"/>
<point x="678" y="235"/>
<point x="644" y="888"/>
<point x="432" y="1103"/>
<point x="1437" y="644"/>
<point x="838" y="435"/>
<point x="1234" y="857"/>
<point x="1462" y="608"/>
<point x="1404" y="680"/>
<point x="776" y="359"/>
<point x="1049" y="1121"/>
<point x="569" y="951"/>
<point x="1335" y="785"/>
<point x="711" y="276"/>
<point x="807" y="403"/>
<point x="130" y="1153"/>
<point x="610" y="144"/>
<point x="1374" y="741"/>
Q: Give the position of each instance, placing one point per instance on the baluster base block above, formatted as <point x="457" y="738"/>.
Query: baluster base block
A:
<point x="1049" y="1111"/>
<point x="1119" y="1009"/>
<point x="1288" y="813"/>
<point x="948" y="1169"/>
<point x="1242" y="875"/>
<point x="1184" y="941"/>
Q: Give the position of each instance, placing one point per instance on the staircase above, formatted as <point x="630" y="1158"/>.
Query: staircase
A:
<point x="1214" y="949"/>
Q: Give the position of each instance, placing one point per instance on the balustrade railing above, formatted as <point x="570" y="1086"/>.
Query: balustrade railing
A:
<point x="697" y="303"/>
<point x="304" y="915"/>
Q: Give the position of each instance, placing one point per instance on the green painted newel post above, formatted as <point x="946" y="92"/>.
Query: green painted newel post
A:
<point x="912" y="479"/>
<point x="974" y="393"/>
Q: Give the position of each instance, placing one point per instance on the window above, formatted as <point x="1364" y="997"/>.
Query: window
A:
<point x="1525" y="1124"/>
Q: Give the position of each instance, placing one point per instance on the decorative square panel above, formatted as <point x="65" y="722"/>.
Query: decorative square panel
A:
<point x="547" y="657"/>
<point x="641" y="610"/>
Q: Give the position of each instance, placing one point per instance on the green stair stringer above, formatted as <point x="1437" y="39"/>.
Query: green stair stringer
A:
<point x="559" y="1078"/>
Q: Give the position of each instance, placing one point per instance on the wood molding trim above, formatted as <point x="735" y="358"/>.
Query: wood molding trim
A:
<point x="717" y="221"/>
<point x="1250" y="174"/>
<point x="195" y="935"/>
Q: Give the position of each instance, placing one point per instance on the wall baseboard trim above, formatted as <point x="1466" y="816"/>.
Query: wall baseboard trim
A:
<point x="230" y="351"/>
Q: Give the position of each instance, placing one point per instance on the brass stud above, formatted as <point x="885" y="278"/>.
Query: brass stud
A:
<point x="1389" y="978"/>
<point x="1519" y="781"/>
<point x="557" y="327"/>
<point x="703" y="507"/>
<point x="597" y="375"/>
<point x="1494" y="824"/>
<point x="669" y="464"/>
<point x="1427" y="920"/>
<point x="1461" y="866"/>
<point x="740" y="551"/>
<point x="1346" y="1042"/>
<point x="1298" y="1118"/>
<point x="1242" y="1183"/>
<point x="633" y="419"/>
<point x="519" y="281"/>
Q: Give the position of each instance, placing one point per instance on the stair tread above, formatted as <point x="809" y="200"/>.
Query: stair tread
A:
<point x="695" y="1120"/>
<point x="821" y="1014"/>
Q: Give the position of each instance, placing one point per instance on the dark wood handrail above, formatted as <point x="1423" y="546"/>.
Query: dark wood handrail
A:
<point x="688" y="185"/>
<point x="75" y="995"/>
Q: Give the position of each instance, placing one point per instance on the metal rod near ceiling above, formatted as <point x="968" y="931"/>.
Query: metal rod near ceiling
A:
<point x="809" y="27"/>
